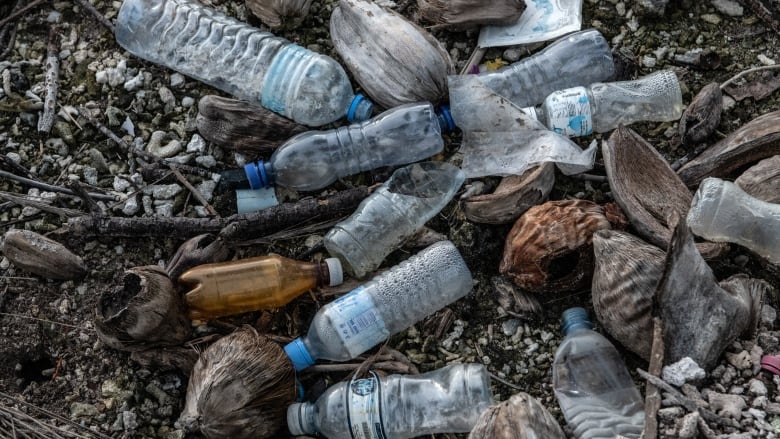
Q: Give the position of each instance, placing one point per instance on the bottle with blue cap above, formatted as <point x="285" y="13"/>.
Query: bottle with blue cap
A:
<point x="309" y="88"/>
<point x="312" y="160"/>
<point x="596" y="394"/>
<point x="389" y="303"/>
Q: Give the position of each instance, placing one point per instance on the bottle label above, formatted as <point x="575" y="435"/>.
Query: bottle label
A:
<point x="359" y="324"/>
<point x="364" y="408"/>
<point x="569" y="112"/>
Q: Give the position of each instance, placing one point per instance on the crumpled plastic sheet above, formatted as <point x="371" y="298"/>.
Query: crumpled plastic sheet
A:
<point x="500" y="139"/>
<point x="542" y="20"/>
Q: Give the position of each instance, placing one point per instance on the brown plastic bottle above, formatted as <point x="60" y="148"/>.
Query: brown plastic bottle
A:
<point x="252" y="284"/>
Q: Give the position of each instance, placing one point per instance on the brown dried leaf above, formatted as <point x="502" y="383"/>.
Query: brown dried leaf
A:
<point x="703" y="114"/>
<point x="463" y="14"/>
<point x="762" y="180"/>
<point x="757" y="89"/>
<point x="42" y="256"/>
<point x="520" y="417"/>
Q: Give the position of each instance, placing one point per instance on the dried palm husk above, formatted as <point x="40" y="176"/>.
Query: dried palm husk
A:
<point x="202" y="249"/>
<point x="242" y="127"/>
<point x="395" y="61"/>
<point x="701" y="318"/>
<point x="762" y="180"/>
<point x="647" y="189"/>
<point x="754" y="141"/>
<point x="463" y="14"/>
<point x="520" y="417"/>
<point x="144" y="311"/>
<point x="702" y="116"/>
<point x="280" y="13"/>
<point x="626" y="273"/>
<point x="514" y="195"/>
<point x="239" y="388"/>
<point x="41" y="256"/>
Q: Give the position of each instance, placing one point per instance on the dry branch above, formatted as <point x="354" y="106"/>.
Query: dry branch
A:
<point x="652" y="393"/>
<point x="46" y="120"/>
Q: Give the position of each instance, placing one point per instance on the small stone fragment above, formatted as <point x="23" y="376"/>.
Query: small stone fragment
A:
<point x="683" y="371"/>
<point x="740" y="360"/>
<point x="689" y="426"/>
<point x="728" y="7"/>
<point x="729" y="406"/>
<point x="757" y="387"/>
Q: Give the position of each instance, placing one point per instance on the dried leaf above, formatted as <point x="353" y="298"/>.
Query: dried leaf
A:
<point x="276" y="13"/>
<point x="520" y="417"/>
<point x="703" y="114"/>
<point x="42" y="256"/>
<point x="762" y="180"/>
<point x="202" y="249"/>
<point x="463" y="14"/>
<point x="757" y="89"/>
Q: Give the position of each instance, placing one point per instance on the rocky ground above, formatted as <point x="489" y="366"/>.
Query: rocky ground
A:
<point x="50" y="356"/>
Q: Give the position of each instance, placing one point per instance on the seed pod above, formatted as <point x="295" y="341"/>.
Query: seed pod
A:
<point x="463" y="14"/>
<point x="41" y="256"/>
<point x="703" y="114"/>
<point x="280" y="13"/>
<point x="395" y="61"/>
<point x="519" y="417"/>
<point x="762" y="180"/>
<point x="239" y="388"/>
<point x="143" y="312"/>
<point x="242" y="127"/>
<point x="626" y="273"/>
<point x="549" y="247"/>
<point x="202" y="249"/>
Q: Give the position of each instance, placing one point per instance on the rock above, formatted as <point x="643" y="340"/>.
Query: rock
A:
<point x="207" y="161"/>
<point x="512" y="54"/>
<point x="683" y="371"/>
<point x="129" y="420"/>
<point x="80" y="410"/>
<point x="156" y="147"/>
<point x="187" y="101"/>
<point x="711" y="19"/>
<point x="509" y="327"/>
<point x="740" y="360"/>
<point x="757" y="414"/>
<point x="177" y="79"/>
<point x="196" y="144"/>
<point x="162" y="191"/>
<point x="729" y="406"/>
<point x="206" y="189"/>
<point x="670" y="414"/>
<point x="768" y="316"/>
<point x="121" y="184"/>
<point x="728" y="7"/>
<point x="688" y="426"/>
<point x="757" y="387"/>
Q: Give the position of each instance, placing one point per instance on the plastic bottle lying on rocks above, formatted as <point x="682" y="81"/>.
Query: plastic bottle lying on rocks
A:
<point x="600" y="107"/>
<point x="252" y="284"/>
<point x="447" y="400"/>
<point x="581" y="58"/>
<point x="386" y="305"/>
<point x="722" y="211"/>
<point x="592" y="385"/>
<point x="315" y="159"/>
<point x="200" y="42"/>
<point x="392" y="214"/>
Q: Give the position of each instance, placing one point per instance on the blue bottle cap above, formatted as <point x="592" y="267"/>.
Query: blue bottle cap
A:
<point x="575" y="318"/>
<point x="258" y="175"/>
<point x="359" y="101"/>
<point x="445" y="119"/>
<point x="298" y="354"/>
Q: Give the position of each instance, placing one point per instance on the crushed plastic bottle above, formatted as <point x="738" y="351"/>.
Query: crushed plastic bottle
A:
<point x="386" y="305"/>
<point x="312" y="160"/>
<point x="580" y="111"/>
<point x="447" y="400"/>
<point x="596" y="394"/>
<point x="253" y="65"/>
<point x="578" y="59"/>
<point x="252" y="284"/>
<point x="721" y="211"/>
<point x="391" y="214"/>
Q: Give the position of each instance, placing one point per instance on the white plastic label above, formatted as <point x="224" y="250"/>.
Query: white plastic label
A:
<point x="364" y="409"/>
<point x="358" y="322"/>
<point x="569" y="112"/>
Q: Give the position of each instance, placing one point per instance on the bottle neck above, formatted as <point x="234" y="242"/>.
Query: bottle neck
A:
<point x="444" y="117"/>
<point x="302" y="419"/>
<point x="360" y="109"/>
<point x="574" y="320"/>
<point x="260" y="174"/>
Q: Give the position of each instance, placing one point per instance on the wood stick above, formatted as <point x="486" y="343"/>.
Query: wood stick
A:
<point x="52" y="188"/>
<point x="194" y="191"/>
<point x="652" y="393"/>
<point x="22" y="201"/>
<point x="20" y="12"/>
<point x="79" y="190"/>
<point x="46" y="120"/>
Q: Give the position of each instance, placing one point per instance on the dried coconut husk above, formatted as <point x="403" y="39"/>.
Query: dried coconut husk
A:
<point x="520" y="417"/>
<point x="395" y="61"/>
<point x="762" y="180"/>
<point x="514" y="195"/>
<point x="41" y="256"/>
<point x="625" y="277"/>
<point x="144" y="311"/>
<point x="202" y="249"/>
<point x="701" y="318"/>
<point x="464" y="14"/>
<point x="647" y="189"/>
<point x="702" y="116"/>
<point x="239" y="388"/>
<point x="754" y="141"/>
<point x="242" y="127"/>
<point x="280" y="13"/>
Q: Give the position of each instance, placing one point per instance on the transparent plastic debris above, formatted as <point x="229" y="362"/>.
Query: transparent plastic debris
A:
<point x="541" y="21"/>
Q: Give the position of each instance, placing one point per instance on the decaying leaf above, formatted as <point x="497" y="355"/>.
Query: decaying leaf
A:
<point x="202" y="249"/>
<point x="519" y="417"/>
<point x="703" y="114"/>
<point x="512" y="298"/>
<point x="41" y="256"/>
<point x="395" y="61"/>
<point x="240" y="388"/>
<point x="757" y="89"/>
<point x="762" y="180"/>
<point x="462" y="14"/>
<point x="754" y="141"/>
<point x="276" y="13"/>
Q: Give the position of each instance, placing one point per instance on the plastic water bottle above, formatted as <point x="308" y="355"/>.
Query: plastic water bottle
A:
<point x="580" y="58"/>
<point x="252" y="284"/>
<point x="386" y="305"/>
<point x="579" y="111"/>
<point x="315" y="159"/>
<point x="447" y="400"/>
<point x="392" y="214"/>
<point x="722" y="211"/>
<point x="253" y="65"/>
<point x="592" y="385"/>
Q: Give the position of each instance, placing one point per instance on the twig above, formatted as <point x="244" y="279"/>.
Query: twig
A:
<point x="51" y="188"/>
<point x="55" y="416"/>
<point x="40" y="205"/>
<point x="46" y="120"/>
<point x="195" y="193"/>
<point x="590" y="177"/>
<point x="79" y="190"/>
<point x="652" y="394"/>
<point x="505" y="382"/>
<point x="95" y="13"/>
<point x="747" y="72"/>
<point x="11" y="41"/>
<point x="679" y="163"/>
<point x="390" y="366"/>
<point x="20" y="12"/>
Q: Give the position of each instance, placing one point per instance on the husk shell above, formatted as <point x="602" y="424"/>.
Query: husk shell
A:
<point x="520" y="417"/>
<point x="463" y="14"/>
<point x="278" y="13"/>
<point x="762" y="180"/>
<point x="702" y="115"/>
<point x="42" y="256"/>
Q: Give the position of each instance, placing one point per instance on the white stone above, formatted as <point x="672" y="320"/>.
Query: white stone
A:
<point x="207" y="161"/>
<point x="682" y="371"/>
<point x="128" y="126"/>
<point x="162" y="191"/>
<point x="156" y="147"/>
<point x="135" y="82"/>
<point x="765" y="60"/>
<point x="757" y="387"/>
<point x="196" y="144"/>
<point x="177" y="79"/>
<point x="166" y="96"/>
<point x="727" y="405"/>
<point x="187" y="102"/>
<point x="740" y="360"/>
<point x="131" y="206"/>
<point x="206" y="189"/>
<point x="728" y="7"/>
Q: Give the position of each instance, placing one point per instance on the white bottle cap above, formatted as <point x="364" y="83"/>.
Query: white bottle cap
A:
<point x="335" y="271"/>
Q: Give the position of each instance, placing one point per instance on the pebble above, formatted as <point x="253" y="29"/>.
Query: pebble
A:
<point x="164" y="210"/>
<point x="187" y="101"/>
<point x="757" y="387"/>
<point x="740" y="360"/>
<point x="206" y="189"/>
<point x="135" y="82"/>
<point x="129" y="420"/>
<point x="711" y="19"/>
<point x="163" y="191"/>
<point x="512" y="54"/>
<point x="670" y="414"/>
<point x="79" y="409"/>
<point x="98" y="160"/>
<point x="166" y="96"/>
<point x="207" y="161"/>
<point x="156" y="147"/>
<point x="177" y="80"/>
<point x="120" y="184"/>
<point x="90" y="175"/>
<point x="768" y="315"/>
<point x="683" y="371"/>
<point x="509" y="327"/>
<point x="689" y="426"/>
<point x="765" y="60"/>
<point x="196" y="144"/>
<point x="131" y="206"/>
<point x="728" y="7"/>
<point x="730" y="406"/>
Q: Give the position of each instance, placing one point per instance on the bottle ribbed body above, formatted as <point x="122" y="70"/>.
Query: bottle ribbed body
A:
<point x="578" y="59"/>
<point x="447" y="400"/>
<point x="391" y="214"/>
<point x="257" y="66"/>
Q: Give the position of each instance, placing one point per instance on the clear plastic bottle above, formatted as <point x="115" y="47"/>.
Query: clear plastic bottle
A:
<point x="600" y="107"/>
<point x="580" y="58"/>
<point x="447" y="400"/>
<point x="722" y="211"/>
<point x="386" y="305"/>
<point x="315" y="159"/>
<point x="253" y="65"/>
<point x="391" y="214"/>
<point x="251" y="284"/>
<point x="592" y="385"/>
